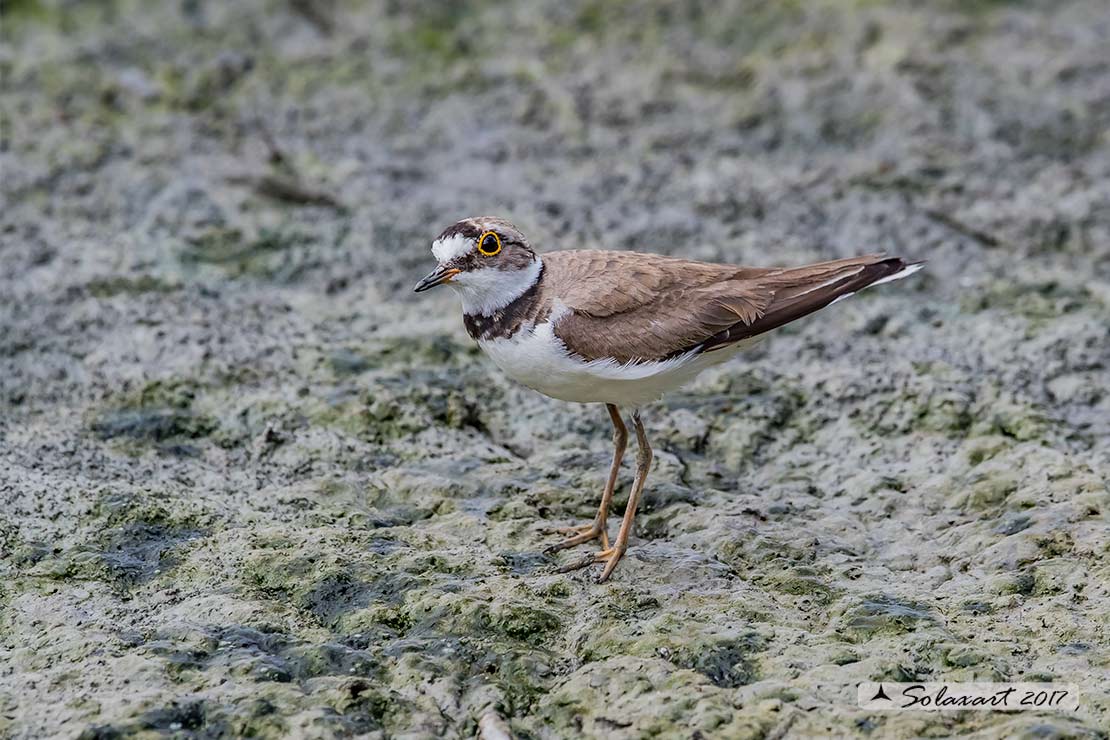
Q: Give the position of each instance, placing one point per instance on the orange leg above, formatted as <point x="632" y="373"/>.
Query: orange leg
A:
<point x="612" y="555"/>
<point x="598" y="528"/>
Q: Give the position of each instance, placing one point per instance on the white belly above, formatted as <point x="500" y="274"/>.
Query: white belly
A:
<point x="538" y="359"/>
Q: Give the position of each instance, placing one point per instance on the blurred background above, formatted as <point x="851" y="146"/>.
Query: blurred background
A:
<point x="251" y="485"/>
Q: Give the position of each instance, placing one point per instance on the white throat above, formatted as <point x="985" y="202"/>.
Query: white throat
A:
<point x="486" y="290"/>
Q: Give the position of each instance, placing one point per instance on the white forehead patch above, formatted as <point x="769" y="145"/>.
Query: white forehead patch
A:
<point x="448" y="249"/>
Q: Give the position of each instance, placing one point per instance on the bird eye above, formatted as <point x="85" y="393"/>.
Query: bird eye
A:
<point x="489" y="244"/>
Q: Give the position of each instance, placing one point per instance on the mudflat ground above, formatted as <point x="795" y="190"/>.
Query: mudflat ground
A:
<point x="251" y="485"/>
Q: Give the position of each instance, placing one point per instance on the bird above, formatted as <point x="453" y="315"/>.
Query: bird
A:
<point x="622" y="328"/>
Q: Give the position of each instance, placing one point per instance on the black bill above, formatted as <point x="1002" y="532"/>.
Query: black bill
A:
<point x="436" y="277"/>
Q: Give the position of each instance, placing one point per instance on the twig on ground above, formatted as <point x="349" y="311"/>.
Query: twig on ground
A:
<point x="287" y="190"/>
<point x="984" y="238"/>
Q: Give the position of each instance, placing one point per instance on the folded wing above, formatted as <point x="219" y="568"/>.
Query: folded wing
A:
<point x="633" y="307"/>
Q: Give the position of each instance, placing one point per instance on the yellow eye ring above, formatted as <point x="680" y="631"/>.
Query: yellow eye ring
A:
<point x="482" y="244"/>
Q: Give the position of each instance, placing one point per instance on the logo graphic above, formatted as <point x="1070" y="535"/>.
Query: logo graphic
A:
<point x="880" y="694"/>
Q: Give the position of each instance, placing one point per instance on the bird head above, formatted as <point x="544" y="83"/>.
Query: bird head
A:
<point x="488" y="261"/>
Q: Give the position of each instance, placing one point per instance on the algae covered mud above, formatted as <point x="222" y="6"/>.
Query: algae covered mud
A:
<point x="251" y="486"/>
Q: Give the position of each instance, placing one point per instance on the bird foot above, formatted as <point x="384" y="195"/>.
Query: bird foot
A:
<point x="583" y="533"/>
<point x="610" y="556"/>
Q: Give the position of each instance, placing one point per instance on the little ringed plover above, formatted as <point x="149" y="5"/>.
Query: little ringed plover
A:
<point x="623" y="328"/>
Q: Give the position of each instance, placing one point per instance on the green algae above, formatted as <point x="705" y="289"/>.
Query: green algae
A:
<point x="158" y="412"/>
<point x="882" y="615"/>
<point x="107" y="287"/>
<point x="134" y="540"/>
<point x="270" y="254"/>
<point x="1042" y="300"/>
